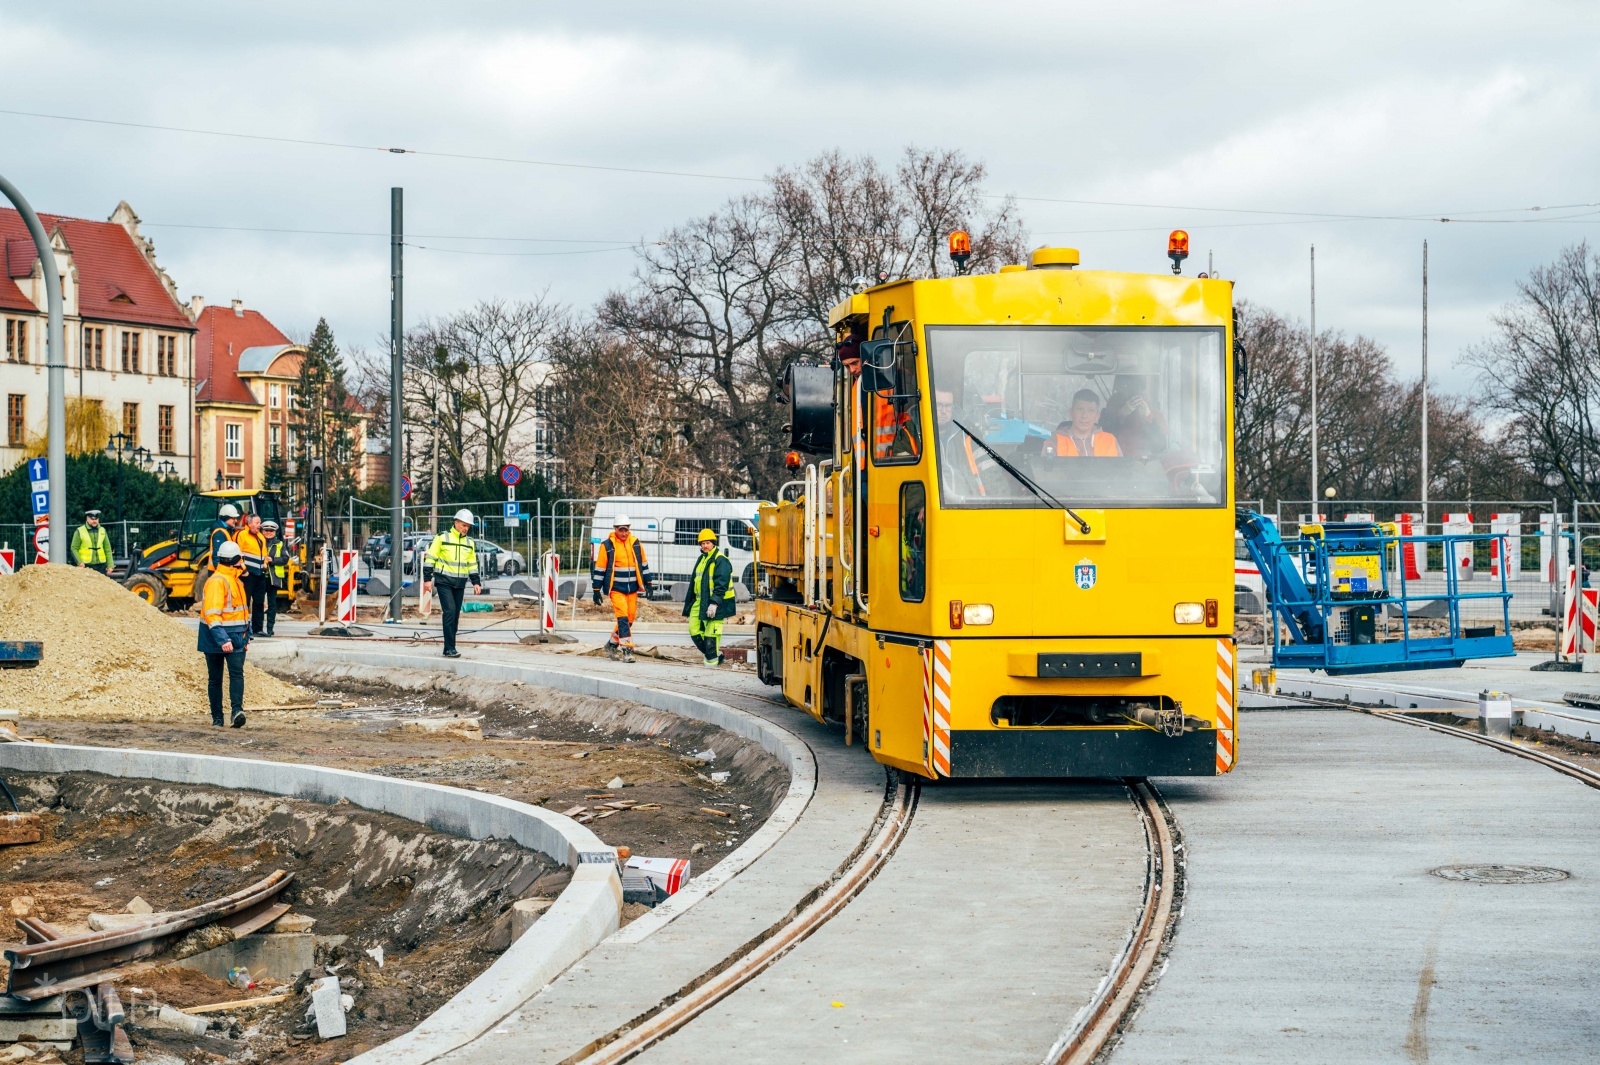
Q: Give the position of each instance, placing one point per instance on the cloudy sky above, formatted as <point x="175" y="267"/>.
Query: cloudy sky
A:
<point x="1260" y="127"/>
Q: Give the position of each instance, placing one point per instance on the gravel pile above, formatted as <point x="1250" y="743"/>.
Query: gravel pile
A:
<point x="108" y="654"/>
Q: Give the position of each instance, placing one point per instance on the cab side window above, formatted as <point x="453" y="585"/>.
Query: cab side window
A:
<point x="896" y="406"/>
<point x="913" y="541"/>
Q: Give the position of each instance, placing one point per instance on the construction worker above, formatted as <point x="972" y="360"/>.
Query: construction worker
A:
<point x="227" y="525"/>
<point x="225" y="632"/>
<point x="91" y="547"/>
<point x="710" y="598"/>
<point x="962" y="462"/>
<point x="1080" y="436"/>
<point x="277" y="569"/>
<point x="621" y="572"/>
<point x="450" y="562"/>
<point x="253" y="557"/>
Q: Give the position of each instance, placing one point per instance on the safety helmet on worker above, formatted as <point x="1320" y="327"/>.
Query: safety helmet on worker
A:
<point x="227" y="510"/>
<point x="466" y="515"/>
<point x="228" y="553"/>
<point x="707" y="534"/>
<point x="620" y="522"/>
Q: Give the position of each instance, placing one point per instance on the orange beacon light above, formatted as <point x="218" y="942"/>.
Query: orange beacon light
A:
<point x="1178" y="249"/>
<point x="960" y="250"/>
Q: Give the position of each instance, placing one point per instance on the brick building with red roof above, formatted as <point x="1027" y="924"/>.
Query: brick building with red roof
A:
<point x="245" y="369"/>
<point x="129" y="341"/>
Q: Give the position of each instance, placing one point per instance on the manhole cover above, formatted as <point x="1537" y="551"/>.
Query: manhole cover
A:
<point x="1501" y="874"/>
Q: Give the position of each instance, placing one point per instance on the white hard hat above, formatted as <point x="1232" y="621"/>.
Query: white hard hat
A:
<point x="466" y="516"/>
<point x="619" y="521"/>
<point x="228" y="551"/>
<point x="227" y="510"/>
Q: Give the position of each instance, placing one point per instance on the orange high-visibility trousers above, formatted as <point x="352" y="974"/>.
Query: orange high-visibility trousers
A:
<point x="625" y="607"/>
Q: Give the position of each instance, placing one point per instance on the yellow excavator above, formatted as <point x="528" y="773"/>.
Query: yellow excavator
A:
<point x="171" y="573"/>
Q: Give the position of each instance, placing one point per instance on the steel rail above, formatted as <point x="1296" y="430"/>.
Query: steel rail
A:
<point x="755" y="957"/>
<point x="50" y="966"/>
<point x="1098" y="1022"/>
<point x="1550" y="761"/>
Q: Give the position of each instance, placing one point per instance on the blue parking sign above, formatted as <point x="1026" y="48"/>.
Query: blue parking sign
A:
<point x="511" y="510"/>
<point x="41" y="503"/>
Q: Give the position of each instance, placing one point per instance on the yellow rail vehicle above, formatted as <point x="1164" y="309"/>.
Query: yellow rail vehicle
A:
<point x="1014" y="557"/>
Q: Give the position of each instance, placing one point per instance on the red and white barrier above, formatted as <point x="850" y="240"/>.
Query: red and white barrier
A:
<point x="347" y="585"/>
<point x="1461" y="525"/>
<point x="1580" y="617"/>
<point x="552" y="569"/>
<point x="1413" y="557"/>
<point x="1552" y="549"/>
<point x="8" y="562"/>
<point x="1510" y="526"/>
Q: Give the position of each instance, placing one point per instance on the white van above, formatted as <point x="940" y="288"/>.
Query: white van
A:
<point x="670" y="528"/>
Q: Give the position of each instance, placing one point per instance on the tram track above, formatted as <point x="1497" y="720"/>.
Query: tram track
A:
<point x="763" y="950"/>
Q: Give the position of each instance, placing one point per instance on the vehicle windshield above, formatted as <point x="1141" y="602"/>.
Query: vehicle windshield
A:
<point x="1122" y="417"/>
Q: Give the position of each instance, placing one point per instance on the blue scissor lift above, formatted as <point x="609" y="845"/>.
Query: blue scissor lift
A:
<point x="1330" y="590"/>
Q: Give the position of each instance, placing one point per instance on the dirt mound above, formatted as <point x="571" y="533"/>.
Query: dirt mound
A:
<point x="107" y="653"/>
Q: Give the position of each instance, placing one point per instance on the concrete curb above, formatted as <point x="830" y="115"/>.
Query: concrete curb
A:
<point x="779" y="742"/>
<point x="585" y="914"/>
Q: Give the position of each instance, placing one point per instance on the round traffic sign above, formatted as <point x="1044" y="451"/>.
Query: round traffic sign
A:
<point x="41" y="543"/>
<point x="405" y="488"/>
<point x="510" y="474"/>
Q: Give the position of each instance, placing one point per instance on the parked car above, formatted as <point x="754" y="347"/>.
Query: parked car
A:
<point x="512" y="562"/>
<point x="375" y="552"/>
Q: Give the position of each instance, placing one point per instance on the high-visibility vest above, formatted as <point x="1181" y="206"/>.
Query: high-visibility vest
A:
<point x="252" y="549"/>
<point x="452" y="554"/>
<point x="92" y="547"/>
<point x="972" y="464"/>
<point x="887" y="423"/>
<point x="619" y="566"/>
<point x="1102" y="445"/>
<point x="702" y="584"/>
<point x="222" y="532"/>
<point x="224" y="600"/>
<point x="278" y="561"/>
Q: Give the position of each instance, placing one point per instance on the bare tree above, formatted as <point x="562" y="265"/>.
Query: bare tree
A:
<point x="1542" y="370"/>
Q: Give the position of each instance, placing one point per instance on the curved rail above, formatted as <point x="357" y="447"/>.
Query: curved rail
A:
<point x="1577" y="772"/>
<point x="756" y="956"/>
<point x="1095" y="1025"/>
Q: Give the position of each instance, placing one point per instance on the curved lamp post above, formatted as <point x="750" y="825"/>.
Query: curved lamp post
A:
<point x="55" y="362"/>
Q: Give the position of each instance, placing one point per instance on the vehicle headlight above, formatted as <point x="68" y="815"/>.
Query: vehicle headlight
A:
<point x="1189" y="613"/>
<point x="978" y="614"/>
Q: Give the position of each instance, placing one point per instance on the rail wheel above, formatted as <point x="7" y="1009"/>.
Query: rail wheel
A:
<point x="147" y="588"/>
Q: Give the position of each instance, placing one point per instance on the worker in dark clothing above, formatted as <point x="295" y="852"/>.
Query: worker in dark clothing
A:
<point x="277" y="572"/>
<point x="710" y="598"/>
<point x="91" y="547"/>
<point x="253" y="556"/>
<point x="451" y="562"/>
<point x="227" y="525"/>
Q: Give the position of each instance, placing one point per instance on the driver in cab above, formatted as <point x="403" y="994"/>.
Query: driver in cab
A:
<point x="1080" y="436"/>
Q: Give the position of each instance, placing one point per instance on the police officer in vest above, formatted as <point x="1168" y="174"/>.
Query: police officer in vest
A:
<point x="224" y="632"/>
<point x="91" y="547"/>
<point x="450" y="562"/>
<point x="277" y="567"/>
<point x="710" y="599"/>
<point x="619" y="571"/>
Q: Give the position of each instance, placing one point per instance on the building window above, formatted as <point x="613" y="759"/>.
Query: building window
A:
<point x="16" y="340"/>
<point x="130" y="423"/>
<point x="233" y="441"/>
<point x="541" y="442"/>
<point x="94" y="348"/>
<point x="130" y="352"/>
<point x="166" y="355"/>
<point x="164" y="434"/>
<point x="16" y="419"/>
<point x="276" y="438"/>
<point x="274" y="395"/>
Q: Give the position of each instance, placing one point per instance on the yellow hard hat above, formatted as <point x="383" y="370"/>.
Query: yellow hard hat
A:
<point x="708" y="534"/>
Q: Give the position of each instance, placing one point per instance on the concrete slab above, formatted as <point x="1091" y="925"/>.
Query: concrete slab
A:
<point x="1313" y="931"/>
<point x="991" y="926"/>
<point x="278" y="955"/>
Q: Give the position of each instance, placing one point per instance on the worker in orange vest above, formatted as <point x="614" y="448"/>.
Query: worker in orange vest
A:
<point x="620" y="571"/>
<point x="253" y="557"/>
<point x="224" y="632"/>
<point x="1081" y="436"/>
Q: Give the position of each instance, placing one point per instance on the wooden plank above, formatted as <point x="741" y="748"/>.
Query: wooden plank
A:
<point x="240" y="1004"/>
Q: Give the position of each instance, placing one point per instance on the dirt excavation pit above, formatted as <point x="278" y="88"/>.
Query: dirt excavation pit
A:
<point x="436" y="904"/>
<point x="689" y="789"/>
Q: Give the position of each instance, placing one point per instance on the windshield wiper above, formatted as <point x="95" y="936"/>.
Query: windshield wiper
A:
<point x="1023" y="479"/>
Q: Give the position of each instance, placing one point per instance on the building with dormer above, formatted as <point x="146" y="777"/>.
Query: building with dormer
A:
<point x="130" y="344"/>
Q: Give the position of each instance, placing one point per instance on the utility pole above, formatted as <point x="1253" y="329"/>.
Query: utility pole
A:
<point x="433" y="493"/>
<point x="1424" y="386"/>
<point x="1316" y="499"/>
<point x="397" y="342"/>
<point x="56" y="365"/>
